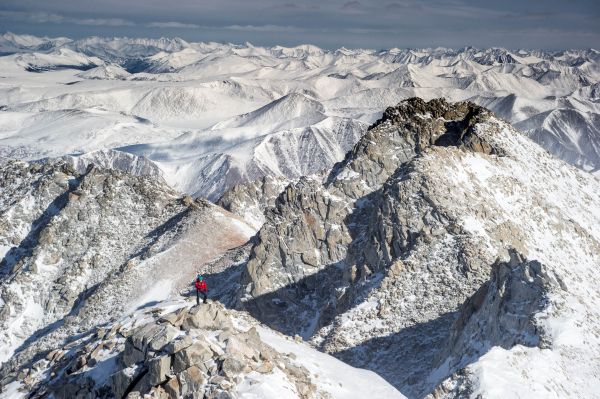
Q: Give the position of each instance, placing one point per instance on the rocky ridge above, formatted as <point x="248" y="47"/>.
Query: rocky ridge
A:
<point x="446" y="247"/>
<point x="210" y="116"/>
<point x="117" y="336"/>
<point x="326" y="219"/>
<point x="375" y="264"/>
<point x="174" y="350"/>
<point x="250" y="200"/>
<point x="189" y="353"/>
<point x="79" y="249"/>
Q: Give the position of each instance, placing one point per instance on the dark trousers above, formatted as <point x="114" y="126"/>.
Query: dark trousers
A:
<point x="198" y="293"/>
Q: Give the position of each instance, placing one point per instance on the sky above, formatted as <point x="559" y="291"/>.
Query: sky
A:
<point x="544" y="24"/>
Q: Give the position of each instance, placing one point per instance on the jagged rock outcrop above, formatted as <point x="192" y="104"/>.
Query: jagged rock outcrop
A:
<point x="503" y="312"/>
<point x="315" y="231"/>
<point x="188" y="353"/>
<point x="375" y="264"/>
<point x="114" y="159"/>
<point x="81" y="229"/>
<point x="408" y="260"/>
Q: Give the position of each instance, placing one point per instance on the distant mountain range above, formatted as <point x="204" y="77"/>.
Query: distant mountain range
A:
<point x="210" y="115"/>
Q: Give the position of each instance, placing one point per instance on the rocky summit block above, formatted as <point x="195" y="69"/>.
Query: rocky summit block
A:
<point x="207" y="357"/>
<point x="207" y="316"/>
<point x="316" y="238"/>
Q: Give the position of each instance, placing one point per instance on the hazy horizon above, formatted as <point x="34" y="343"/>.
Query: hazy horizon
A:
<point x="457" y="48"/>
<point x="549" y="24"/>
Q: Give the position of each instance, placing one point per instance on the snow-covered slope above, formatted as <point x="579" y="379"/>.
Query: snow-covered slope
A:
<point x="211" y="162"/>
<point x="218" y="96"/>
<point x="105" y="72"/>
<point x="446" y="252"/>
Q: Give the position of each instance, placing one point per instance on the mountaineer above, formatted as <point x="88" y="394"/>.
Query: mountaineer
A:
<point x="201" y="288"/>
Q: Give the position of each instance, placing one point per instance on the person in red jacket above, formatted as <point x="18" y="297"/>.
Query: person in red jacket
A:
<point x="201" y="288"/>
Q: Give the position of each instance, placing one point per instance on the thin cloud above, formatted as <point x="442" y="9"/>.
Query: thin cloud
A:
<point x="44" y="17"/>
<point x="172" y="24"/>
<point x="239" y="28"/>
<point x="102" y="22"/>
<point x="412" y="23"/>
<point x="262" y="28"/>
<point x="352" y="6"/>
<point x="31" y="17"/>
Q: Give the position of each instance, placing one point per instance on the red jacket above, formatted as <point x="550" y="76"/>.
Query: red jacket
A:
<point x="201" y="286"/>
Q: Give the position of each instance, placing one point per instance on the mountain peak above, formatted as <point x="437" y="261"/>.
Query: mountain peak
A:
<point x="438" y="122"/>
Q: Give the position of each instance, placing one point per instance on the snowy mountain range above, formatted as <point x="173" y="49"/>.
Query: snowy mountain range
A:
<point x="361" y="235"/>
<point x="211" y="115"/>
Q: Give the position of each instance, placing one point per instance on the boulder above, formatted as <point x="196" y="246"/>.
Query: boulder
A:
<point x="131" y="354"/>
<point x="159" y="393"/>
<point x="172" y="388"/>
<point x="207" y="316"/>
<point x="158" y="369"/>
<point x="122" y="380"/>
<point x="196" y="354"/>
<point x="174" y="318"/>
<point x="265" y="367"/>
<point x="219" y="394"/>
<point x="238" y="348"/>
<point x="142" y="336"/>
<point x="75" y="388"/>
<point x="252" y="337"/>
<point x="164" y="337"/>
<point x="222" y="382"/>
<point x="191" y="380"/>
<point x="232" y="366"/>
<point x="216" y="348"/>
<point x="178" y="344"/>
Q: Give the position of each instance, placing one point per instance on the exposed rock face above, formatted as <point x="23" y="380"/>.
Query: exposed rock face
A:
<point x="503" y="312"/>
<point x="250" y="200"/>
<point x="445" y="248"/>
<point x="507" y="303"/>
<point x="375" y="264"/>
<point x="113" y="159"/>
<point x="90" y="226"/>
